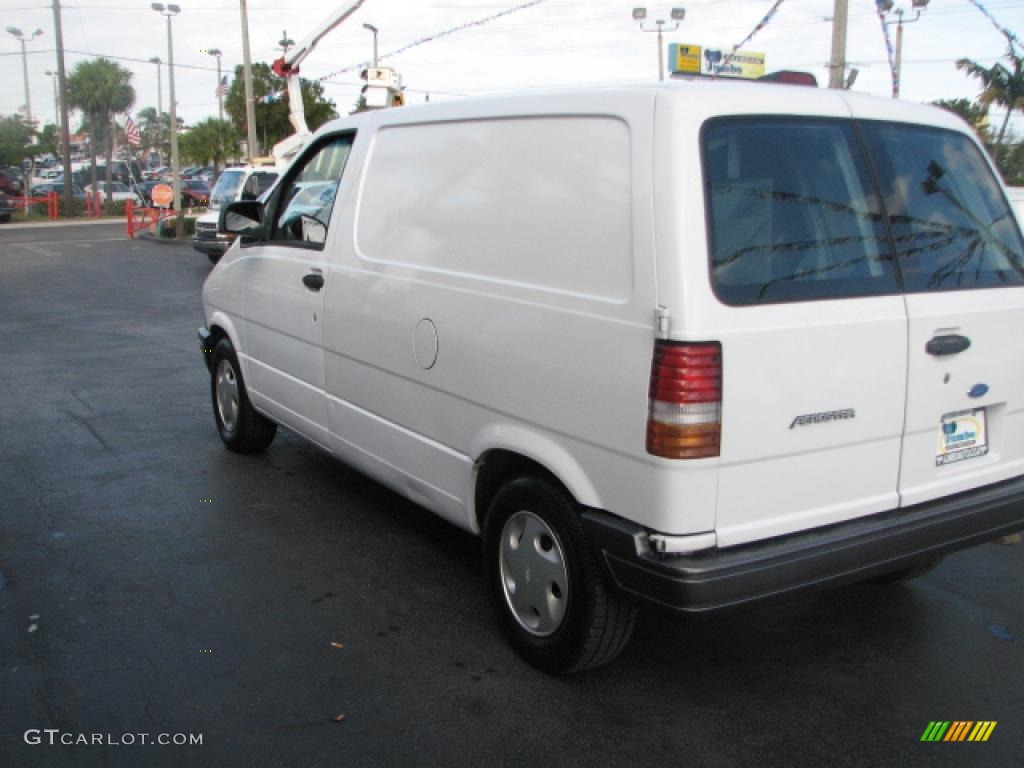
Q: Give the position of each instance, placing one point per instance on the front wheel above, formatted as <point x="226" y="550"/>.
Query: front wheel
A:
<point x="548" y="592"/>
<point x="242" y="429"/>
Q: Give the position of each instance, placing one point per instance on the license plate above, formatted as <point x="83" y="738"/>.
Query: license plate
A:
<point x="962" y="435"/>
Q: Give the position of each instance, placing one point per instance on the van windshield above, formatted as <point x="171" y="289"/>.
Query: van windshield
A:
<point x="794" y="212"/>
<point x="227" y="186"/>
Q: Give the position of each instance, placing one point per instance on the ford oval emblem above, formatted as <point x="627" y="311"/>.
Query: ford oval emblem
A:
<point x="978" y="390"/>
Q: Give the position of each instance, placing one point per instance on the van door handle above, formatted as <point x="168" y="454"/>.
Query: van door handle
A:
<point x="313" y="281"/>
<point x="947" y="345"/>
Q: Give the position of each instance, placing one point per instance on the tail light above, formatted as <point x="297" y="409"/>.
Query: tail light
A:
<point x="685" y="415"/>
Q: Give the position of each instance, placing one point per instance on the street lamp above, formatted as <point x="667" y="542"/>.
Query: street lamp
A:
<point x="170" y="11"/>
<point x="54" y="76"/>
<point x="676" y="15"/>
<point x="374" y="30"/>
<point x="159" y="86"/>
<point x="220" y="92"/>
<point x="285" y="43"/>
<point x="884" y="7"/>
<point x="24" y="64"/>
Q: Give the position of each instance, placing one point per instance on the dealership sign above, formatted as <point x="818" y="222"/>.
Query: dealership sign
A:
<point x="685" y="59"/>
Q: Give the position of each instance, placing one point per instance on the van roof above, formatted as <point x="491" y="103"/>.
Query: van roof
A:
<point x="705" y="96"/>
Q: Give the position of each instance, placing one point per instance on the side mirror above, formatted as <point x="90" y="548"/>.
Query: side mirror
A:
<point x="243" y="217"/>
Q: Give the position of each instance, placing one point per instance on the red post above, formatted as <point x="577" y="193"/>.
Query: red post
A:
<point x="129" y="221"/>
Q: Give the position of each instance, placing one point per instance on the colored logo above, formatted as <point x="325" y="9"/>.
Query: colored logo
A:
<point x="978" y="390"/>
<point x="958" y="730"/>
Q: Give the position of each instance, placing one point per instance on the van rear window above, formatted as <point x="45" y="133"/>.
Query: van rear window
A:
<point x="795" y="215"/>
<point x="792" y="212"/>
<point x="950" y="223"/>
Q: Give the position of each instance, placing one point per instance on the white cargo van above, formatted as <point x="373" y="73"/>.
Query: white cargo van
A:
<point x="245" y="182"/>
<point x="697" y="345"/>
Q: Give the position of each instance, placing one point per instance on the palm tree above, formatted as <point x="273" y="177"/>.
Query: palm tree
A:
<point x="101" y="89"/>
<point x="211" y="141"/>
<point x="155" y="129"/>
<point x="1001" y="85"/>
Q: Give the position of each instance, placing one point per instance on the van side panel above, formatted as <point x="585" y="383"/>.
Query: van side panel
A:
<point x="499" y="293"/>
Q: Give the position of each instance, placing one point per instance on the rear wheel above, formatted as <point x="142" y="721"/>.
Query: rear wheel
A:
<point x="242" y="429"/>
<point x="549" y="594"/>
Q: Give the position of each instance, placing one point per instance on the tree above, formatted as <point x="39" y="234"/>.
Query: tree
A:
<point x="211" y="141"/>
<point x="1001" y="85"/>
<point x="972" y="113"/>
<point x="48" y="141"/>
<point x="101" y="89"/>
<point x="15" y="140"/>
<point x="155" y="131"/>
<point x="271" y="106"/>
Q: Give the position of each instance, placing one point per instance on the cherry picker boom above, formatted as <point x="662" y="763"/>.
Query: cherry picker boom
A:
<point x="288" y="67"/>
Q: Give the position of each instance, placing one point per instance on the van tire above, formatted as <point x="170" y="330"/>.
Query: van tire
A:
<point x="595" y="624"/>
<point x="904" y="575"/>
<point x="242" y="429"/>
<point x="213" y="257"/>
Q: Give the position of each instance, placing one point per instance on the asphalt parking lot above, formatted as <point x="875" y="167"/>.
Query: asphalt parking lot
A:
<point x="152" y="582"/>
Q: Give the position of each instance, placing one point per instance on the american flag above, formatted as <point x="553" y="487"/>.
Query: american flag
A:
<point x="222" y="89"/>
<point x="131" y="132"/>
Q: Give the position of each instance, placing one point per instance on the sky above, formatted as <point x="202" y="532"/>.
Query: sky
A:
<point x="553" y="43"/>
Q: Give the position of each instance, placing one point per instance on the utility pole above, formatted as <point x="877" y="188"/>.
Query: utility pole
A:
<point x="56" y="100"/>
<point x="159" y="87"/>
<point x="250" y="105"/>
<point x="65" y="132"/>
<point x="837" y="63"/>
<point x="170" y="12"/>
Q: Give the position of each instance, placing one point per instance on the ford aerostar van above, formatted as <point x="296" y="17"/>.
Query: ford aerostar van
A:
<point x="695" y="345"/>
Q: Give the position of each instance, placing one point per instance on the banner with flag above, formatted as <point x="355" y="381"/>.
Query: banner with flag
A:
<point x="222" y="89"/>
<point x="131" y="132"/>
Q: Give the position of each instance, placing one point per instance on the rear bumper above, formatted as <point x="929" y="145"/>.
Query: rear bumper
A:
<point x="775" y="569"/>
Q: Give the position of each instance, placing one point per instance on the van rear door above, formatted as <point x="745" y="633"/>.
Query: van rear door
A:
<point x="961" y="259"/>
<point x="812" y="326"/>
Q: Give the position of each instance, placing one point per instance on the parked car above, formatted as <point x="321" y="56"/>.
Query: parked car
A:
<point x="57" y="185"/>
<point x="695" y="345"/>
<point x="194" y="194"/>
<point x="44" y="175"/>
<point x="9" y="184"/>
<point x="117" y="191"/>
<point x="7" y="208"/>
<point x="235" y="183"/>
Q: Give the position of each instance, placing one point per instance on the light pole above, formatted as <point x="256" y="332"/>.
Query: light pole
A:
<point x="884" y="6"/>
<point x="250" y="104"/>
<point x="159" y="87"/>
<point x="24" y="64"/>
<point x="170" y="11"/>
<point x="220" y="93"/>
<point x="677" y="15"/>
<point x="374" y="30"/>
<point x="285" y="43"/>
<point x="54" y="77"/>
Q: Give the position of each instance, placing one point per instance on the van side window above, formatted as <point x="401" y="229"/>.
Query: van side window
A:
<point x="792" y="212"/>
<point x="307" y="197"/>
<point x="951" y="225"/>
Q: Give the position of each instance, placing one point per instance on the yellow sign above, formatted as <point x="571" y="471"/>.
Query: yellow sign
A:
<point x="684" y="59"/>
<point x="743" y="64"/>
